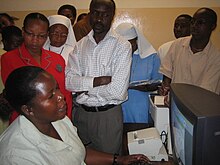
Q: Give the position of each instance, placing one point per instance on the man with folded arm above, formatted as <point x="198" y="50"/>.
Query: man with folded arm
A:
<point x="98" y="70"/>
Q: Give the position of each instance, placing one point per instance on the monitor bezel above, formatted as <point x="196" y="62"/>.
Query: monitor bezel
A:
<point x="197" y="122"/>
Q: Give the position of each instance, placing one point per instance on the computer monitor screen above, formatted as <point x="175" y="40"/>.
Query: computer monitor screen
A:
<point x="183" y="139"/>
<point x="194" y="123"/>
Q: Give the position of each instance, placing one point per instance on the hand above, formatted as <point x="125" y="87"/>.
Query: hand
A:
<point x="102" y="80"/>
<point x="167" y="100"/>
<point x="126" y="160"/>
<point x="164" y="89"/>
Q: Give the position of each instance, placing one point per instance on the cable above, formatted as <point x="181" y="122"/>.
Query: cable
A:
<point x="163" y="137"/>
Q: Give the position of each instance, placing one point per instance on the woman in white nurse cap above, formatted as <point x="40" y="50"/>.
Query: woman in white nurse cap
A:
<point x="145" y="65"/>
<point x="136" y="38"/>
<point x="61" y="38"/>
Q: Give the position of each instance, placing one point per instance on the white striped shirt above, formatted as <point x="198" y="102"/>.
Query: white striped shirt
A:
<point x="110" y="57"/>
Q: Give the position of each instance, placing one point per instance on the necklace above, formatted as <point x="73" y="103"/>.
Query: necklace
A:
<point x="57" y="52"/>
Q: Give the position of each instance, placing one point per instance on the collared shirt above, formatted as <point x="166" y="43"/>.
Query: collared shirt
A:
<point x="163" y="49"/>
<point x="200" y="69"/>
<point x="50" y="61"/>
<point x="23" y="144"/>
<point x="110" y="57"/>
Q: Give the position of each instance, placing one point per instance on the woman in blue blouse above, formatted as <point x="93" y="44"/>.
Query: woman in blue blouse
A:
<point x="145" y="66"/>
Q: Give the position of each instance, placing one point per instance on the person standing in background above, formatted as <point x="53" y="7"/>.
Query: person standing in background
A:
<point x="194" y="59"/>
<point x="61" y="39"/>
<point x="11" y="37"/>
<point x="82" y="28"/>
<point x="81" y="16"/>
<point x="182" y="26"/>
<point x="181" y="29"/>
<point x="31" y="52"/>
<point x="98" y="71"/>
<point x="69" y="11"/>
<point x="145" y="66"/>
<point x="5" y="20"/>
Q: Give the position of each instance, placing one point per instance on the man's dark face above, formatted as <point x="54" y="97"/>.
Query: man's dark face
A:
<point x="12" y="42"/>
<point x="201" y="25"/>
<point x="4" y="22"/>
<point x="181" y="27"/>
<point x="101" y="16"/>
<point x="68" y="13"/>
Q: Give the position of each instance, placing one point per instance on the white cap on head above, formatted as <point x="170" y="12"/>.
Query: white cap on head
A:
<point x="59" y="19"/>
<point x="63" y="20"/>
<point x="129" y="31"/>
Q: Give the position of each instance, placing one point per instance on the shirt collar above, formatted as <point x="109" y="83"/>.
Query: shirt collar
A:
<point x="34" y="136"/>
<point x="110" y="34"/>
<point x="29" y="60"/>
<point x="186" y="43"/>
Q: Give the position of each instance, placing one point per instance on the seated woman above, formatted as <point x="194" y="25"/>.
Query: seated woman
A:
<point x="61" y="38"/>
<point x="42" y="134"/>
<point x="145" y="66"/>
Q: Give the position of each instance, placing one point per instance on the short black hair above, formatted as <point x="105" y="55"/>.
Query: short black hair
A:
<point x="67" y="6"/>
<point x="9" y="31"/>
<point x="81" y="16"/>
<point x="20" y="86"/>
<point x="33" y="16"/>
<point x="98" y="1"/>
<point x="8" y="37"/>
<point x="7" y="16"/>
<point x="211" y="13"/>
<point x="187" y="16"/>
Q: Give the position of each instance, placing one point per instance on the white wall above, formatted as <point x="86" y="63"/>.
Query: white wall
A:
<point x="25" y="5"/>
<point x="154" y="17"/>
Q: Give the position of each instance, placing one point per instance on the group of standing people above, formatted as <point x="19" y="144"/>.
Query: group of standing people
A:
<point x="97" y="69"/>
<point x="38" y="92"/>
<point x="194" y="59"/>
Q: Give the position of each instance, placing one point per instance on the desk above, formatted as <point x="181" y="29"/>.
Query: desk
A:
<point x="137" y="126"/>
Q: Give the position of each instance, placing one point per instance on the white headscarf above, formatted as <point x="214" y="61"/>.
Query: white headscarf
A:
<point x="65" y="49"/>
<point x="60" y="19"/>
<point x="129" y="31"/>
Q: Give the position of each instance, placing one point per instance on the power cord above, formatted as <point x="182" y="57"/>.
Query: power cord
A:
<point x="163" y="137"/>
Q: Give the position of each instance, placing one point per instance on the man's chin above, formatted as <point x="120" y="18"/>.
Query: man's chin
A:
<point x="98" y="31"/>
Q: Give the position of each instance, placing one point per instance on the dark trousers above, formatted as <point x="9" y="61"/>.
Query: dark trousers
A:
<point x="100" y="130"/>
